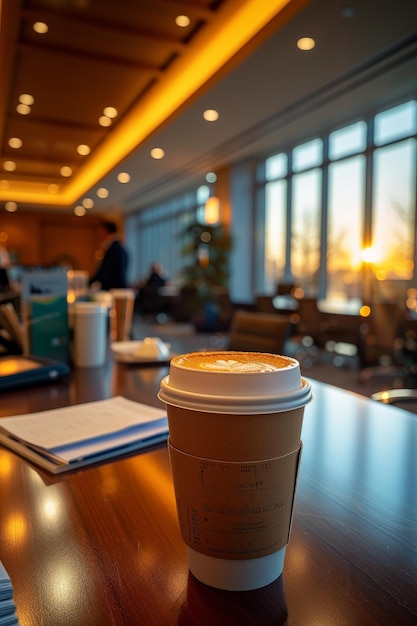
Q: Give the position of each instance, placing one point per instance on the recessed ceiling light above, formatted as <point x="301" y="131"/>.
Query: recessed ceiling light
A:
<point x="123" y="177"/>
<point x="88" y="203"/>
<point x="40" y="27"/>
<point x="66" y="171"/>
<point x="103" y="120"/>
<point x="83" y="149"/>
<point x="11" y="206"/>
<point x="182" y="20"/>
<point x="26" y="98"/>
<point x="157" y="153"/>
<point x="52" y="188"/>
<point x="211" y="115"/>
<point x="23" y="109"/>
<point x="15" y="142"/>
<point x="211" y="177"/>
<point x="102" y="192"/>
<point x="9" y="166"/>
<point x="306" y="43"/>
<point x="110" y="112"/>
<point x="79" y="210"/>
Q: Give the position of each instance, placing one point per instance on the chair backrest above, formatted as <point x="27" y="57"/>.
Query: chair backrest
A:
<point x="385" y="320"/>
<point x="258" y="332"/>
<point x="310" y="317"/>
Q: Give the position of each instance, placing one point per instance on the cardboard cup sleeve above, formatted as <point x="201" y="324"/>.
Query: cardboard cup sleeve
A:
<point x="235" y="510"/>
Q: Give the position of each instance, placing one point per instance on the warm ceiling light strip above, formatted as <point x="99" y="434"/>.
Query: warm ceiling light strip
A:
<point x="234" y="26"/>
<point x="217" y="44"/>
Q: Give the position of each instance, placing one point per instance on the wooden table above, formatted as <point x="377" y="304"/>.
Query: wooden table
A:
<point x="102" y="547"/>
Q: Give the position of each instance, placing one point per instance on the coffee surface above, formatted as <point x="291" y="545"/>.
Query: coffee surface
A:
<point x="233" y="362"/>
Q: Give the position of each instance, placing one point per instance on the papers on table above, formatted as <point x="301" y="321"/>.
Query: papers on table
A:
<point x="73" y="436"/>
<point x="8" y="615"/>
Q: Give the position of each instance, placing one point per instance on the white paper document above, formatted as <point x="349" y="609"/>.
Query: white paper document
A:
<point x="75" y="433"/>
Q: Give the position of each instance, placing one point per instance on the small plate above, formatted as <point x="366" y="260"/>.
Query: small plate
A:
<point x="126" y="352"/>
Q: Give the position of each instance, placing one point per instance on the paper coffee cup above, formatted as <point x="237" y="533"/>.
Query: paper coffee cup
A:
<point x="89" y="343"/>
<point x="235" y="423"/>
<point x="123" y="305"/>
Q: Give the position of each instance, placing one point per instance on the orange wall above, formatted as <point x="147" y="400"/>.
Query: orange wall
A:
<point x="49" y="239"/>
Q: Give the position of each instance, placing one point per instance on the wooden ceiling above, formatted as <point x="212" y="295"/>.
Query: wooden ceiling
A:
<point x="131" y="55"/>
<point x="95" y="54"/>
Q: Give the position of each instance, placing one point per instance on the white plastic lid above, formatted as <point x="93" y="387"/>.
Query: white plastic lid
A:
<point x="89" y="308"/>
<point x="232" y="388"/>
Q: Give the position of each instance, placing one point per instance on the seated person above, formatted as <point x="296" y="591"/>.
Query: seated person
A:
<point x="148" y="299"/>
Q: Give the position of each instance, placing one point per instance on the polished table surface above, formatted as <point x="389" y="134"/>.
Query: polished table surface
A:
<point x="101" y="546"/>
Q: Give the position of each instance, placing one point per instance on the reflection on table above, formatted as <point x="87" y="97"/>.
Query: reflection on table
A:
<point x="102" y="545"/>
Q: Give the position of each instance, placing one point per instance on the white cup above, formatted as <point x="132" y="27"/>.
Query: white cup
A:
<point x="235" y="423"/>
<point x="90" y="334"/>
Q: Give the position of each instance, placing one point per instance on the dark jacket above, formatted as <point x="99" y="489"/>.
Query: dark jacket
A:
<point x="112" y="272"/>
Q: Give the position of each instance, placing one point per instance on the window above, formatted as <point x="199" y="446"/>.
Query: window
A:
<point x="345" y="228"/>
<point x="344" y="192"/>
<point x="307" y="155"/>
<point x="276" y="166"/>
<point x="275" y="234"/>
<point x="305" y="229"/>
<point x="394" y="213"/>
<point x="153" y="235"/>
<point x="396" y="123"/>
<point x="203" y="194"/>
<point x="347" y="141"/>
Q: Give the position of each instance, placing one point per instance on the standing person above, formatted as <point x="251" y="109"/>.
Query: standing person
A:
<point x="112" y="271"/>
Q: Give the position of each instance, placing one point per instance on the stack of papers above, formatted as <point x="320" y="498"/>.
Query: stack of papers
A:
<point x="8" y="615"/>
<point x="74" y="436"/>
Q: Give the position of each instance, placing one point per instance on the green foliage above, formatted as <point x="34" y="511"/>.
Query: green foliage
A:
<point x="208" y="247"/>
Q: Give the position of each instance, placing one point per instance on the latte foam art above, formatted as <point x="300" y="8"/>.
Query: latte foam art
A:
<point x="233" y="382"/>
<point x="234" y="366"/>
<point x="234" y="362"/>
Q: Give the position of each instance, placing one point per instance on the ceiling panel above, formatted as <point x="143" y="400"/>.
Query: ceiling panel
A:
<point x="122" y="53"/>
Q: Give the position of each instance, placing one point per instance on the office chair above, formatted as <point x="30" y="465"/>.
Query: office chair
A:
<point x="405" y="396"/>
<point x="258" y="332"/>
<point x="381" y="348"/>
<point x="308" y="339"/>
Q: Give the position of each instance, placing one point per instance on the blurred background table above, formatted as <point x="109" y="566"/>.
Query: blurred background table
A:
<point x="102" y="545"/>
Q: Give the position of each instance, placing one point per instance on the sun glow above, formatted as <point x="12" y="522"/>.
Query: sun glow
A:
<point x="371" y="255"/>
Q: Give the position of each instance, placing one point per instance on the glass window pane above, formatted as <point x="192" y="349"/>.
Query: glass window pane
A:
<point x="305" y="231"/>
<point x="275" y="233"/>
<point x="396" y="123"/>
<point x="347" y="140"/>
<point x="203" y="193"/>
<point x="276" y="166"/>
<point x="201" y="214"/>
<point x="345" y="229"/>
<point x="307" y="155"/>
<point x="394" y="215"/>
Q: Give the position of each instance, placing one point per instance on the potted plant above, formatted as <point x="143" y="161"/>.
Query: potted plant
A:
<point x="205" y="279"/>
